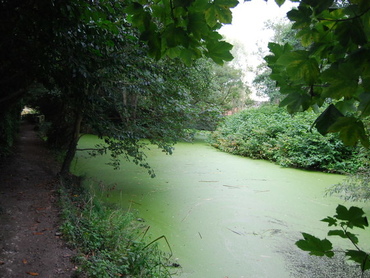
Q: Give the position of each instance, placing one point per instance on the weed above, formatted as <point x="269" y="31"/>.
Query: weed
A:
<point x="110" y="241"/>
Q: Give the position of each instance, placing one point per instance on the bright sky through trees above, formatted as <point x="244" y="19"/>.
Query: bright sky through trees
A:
<point x="248" y="28"/>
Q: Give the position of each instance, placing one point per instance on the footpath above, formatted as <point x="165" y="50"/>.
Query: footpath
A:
<point x="30" y="241"/>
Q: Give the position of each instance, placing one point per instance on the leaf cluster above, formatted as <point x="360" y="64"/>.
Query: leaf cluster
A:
<point x="332" y="67"/>
<point x="345" y="220"/>
<point x="184" y="29"/>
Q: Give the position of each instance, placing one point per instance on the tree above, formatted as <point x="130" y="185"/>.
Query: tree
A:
<point x="80" y="44"/>
<point x="265" y="85"/>
<point x="332" y="70"/>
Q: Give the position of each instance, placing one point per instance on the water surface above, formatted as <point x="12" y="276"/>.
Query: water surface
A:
<point x="224" y="215"/>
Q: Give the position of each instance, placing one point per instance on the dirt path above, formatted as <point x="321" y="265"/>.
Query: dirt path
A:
<point x="29" y="238"/>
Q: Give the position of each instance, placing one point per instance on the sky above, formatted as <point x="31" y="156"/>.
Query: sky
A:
<point x="248" y="27"/>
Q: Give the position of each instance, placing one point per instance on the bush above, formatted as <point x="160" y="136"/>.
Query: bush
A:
<point x="271" y="133"/>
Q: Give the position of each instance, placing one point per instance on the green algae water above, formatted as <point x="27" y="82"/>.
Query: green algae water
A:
<point x="223" y="215"/>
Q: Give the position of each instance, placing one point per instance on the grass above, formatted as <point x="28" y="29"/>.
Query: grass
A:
<point x="110" y="242"/>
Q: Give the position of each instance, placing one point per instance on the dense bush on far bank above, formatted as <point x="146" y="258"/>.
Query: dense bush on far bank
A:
<point x="271" y="133"/>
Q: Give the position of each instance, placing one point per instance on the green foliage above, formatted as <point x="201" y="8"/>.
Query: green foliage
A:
<point x="110" y="242"/>
<point x="271" y="133"/>
<point x="332" y="66"/>
<point x="346" y="220"/>
<point x="316" y="246"/>
<point x="183" y="29"/>
<point x="119" y="92"/>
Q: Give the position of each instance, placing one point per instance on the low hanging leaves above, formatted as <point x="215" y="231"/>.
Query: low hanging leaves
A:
<point x="315" y="245"/>
<point x="345" y="219"/>
<point x="300" y="66"/>
<point x="360" y="257"/>
<point x="352" y="217"/>
<point x="191" y="24"/>
<point x="350" y="130"/>
<point x="326" y="119"/>
<point x="332" y="60"/>
<point x="296" y="102"/>
<point x="219" y="51"/>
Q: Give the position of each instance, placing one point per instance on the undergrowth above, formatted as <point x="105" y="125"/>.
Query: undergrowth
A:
<point x="110" y="241"/>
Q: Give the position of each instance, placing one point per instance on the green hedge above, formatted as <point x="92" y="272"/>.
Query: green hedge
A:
<point x="271" y="133"/>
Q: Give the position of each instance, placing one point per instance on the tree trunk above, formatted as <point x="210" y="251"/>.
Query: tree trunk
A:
<point x="73" y="145"/>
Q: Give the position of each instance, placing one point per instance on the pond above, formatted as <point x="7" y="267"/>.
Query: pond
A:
<point x="223" y="215"/>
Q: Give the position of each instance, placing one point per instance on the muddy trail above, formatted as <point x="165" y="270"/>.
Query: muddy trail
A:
<point x="30" y="242"/>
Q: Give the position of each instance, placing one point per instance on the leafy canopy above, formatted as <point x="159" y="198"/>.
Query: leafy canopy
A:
<point x="332" y="68"/>
<point x="184" y="29"/>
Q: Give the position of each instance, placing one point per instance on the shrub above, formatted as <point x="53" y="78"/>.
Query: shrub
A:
<point x="271" y="133"/>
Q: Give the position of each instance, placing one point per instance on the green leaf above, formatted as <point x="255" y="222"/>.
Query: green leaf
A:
<point x="350" y="131"/>
<point x="219" y="51"/>
<point x="154" y="43"/>
<point x="343" y="234"/>
<point x="227" y="3"/>
<point x="326" y="119"/>
<point x="347" y="106"/>
<point x="364" y="105"/>
<point x="315" y="245"/>
<point x="187" y="56"/>
<point x="340" y="233"/>
<point x="197" y="25"/>
<point x="138" y="16"/>
<point x="353" y="217"/>
<point x="319" y="5"/>
<point x="330" y="220"/>
<point x="296" y="101"/>
<point x="352" y="237"/>
<point x="351" y="32"/>
<point x="175" y="36"/>
<point x="280" y="2"/>
<point x="359" y="257"/>
<point x="219" y="12"/>
<point x="173" y="52"/>
<point x="210" y="15"/>
<point x="300" y="66"/>
<point x="342" y="80"/>
<point x="301" y="16"/>
<point x="182" y="3"/>
<point x="308" y="36"/>
<point x="278" y="49"/>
